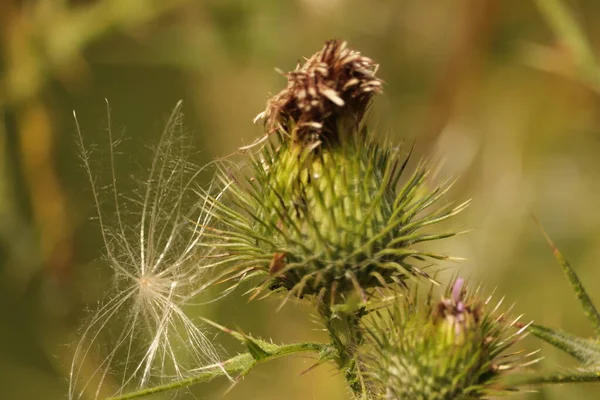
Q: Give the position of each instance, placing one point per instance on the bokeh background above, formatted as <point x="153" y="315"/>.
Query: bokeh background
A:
<point x="492" y="88"/>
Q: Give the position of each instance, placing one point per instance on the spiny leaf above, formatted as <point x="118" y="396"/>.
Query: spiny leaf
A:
<point x="590" y="311"/>
<point x="585" y="351"/>
<point x="254" y="345"/>
<point x="253" y="348"/>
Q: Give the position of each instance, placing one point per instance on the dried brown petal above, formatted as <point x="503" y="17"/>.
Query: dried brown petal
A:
<point x="334" y="82"/>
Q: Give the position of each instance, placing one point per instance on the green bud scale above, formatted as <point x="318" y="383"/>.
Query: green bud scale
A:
<point x="453" y="349"/>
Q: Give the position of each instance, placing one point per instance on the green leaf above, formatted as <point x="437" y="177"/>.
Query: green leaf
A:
<point x="250" y="342"/>
<point x="589" y="309"/>
<point x="253" y="348"/>
<point x="259" y="349"/>
<point x="585" y="351"/>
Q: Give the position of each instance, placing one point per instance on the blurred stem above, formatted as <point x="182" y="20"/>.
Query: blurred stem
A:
<point x="240" y="364"/>
<point x="48" y="202"/>
<point x="565" y="26"/>
<point x="462" y="67"/>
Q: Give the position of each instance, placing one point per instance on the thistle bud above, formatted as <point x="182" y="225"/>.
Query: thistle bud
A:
<point x="453" y="349"/>
<point x="320" y="211"/>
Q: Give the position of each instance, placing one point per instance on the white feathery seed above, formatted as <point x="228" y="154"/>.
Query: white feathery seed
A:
<point x="141" y="334"/>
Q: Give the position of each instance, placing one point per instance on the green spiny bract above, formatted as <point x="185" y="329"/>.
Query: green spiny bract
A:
<point x="321" y="210"/>
<point x="583" y="349"/>
<point x="452" y="349"/>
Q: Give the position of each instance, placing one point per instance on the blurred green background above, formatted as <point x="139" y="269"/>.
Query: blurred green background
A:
<point x="487" y="86"/>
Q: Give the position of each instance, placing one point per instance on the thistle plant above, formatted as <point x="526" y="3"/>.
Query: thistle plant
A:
<point x="324" y="211"/>
<point x="320" y="210"/>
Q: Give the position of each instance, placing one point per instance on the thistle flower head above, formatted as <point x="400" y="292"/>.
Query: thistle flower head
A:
<point x="455" y="348"/>
<point x="335" y="82"/>
<point x="334" y="222"/>
<point x="153" y="258"/>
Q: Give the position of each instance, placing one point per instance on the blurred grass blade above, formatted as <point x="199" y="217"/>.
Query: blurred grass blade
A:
<point x="563" y="23"/>
<point x="590" y="311"/>
<point x="584" y="350"/>
<point x="565" y="26"/>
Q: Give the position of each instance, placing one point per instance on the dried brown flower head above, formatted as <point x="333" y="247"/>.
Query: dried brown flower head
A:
<point x="334" y="82"/>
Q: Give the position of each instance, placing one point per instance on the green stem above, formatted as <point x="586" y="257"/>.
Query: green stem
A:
<point x="346" y="336"/>
<point x="241" y="364"/>
<point x="586" y="351"/>
<point x="574" y="377"/>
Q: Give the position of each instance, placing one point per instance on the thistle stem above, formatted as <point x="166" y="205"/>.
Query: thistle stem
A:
<point x="574" y="377"/>
<point x="240" y="364"/>
<point x="346" y="337"/>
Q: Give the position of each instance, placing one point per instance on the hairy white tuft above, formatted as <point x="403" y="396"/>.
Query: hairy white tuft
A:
<point x="141" y="334"/>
